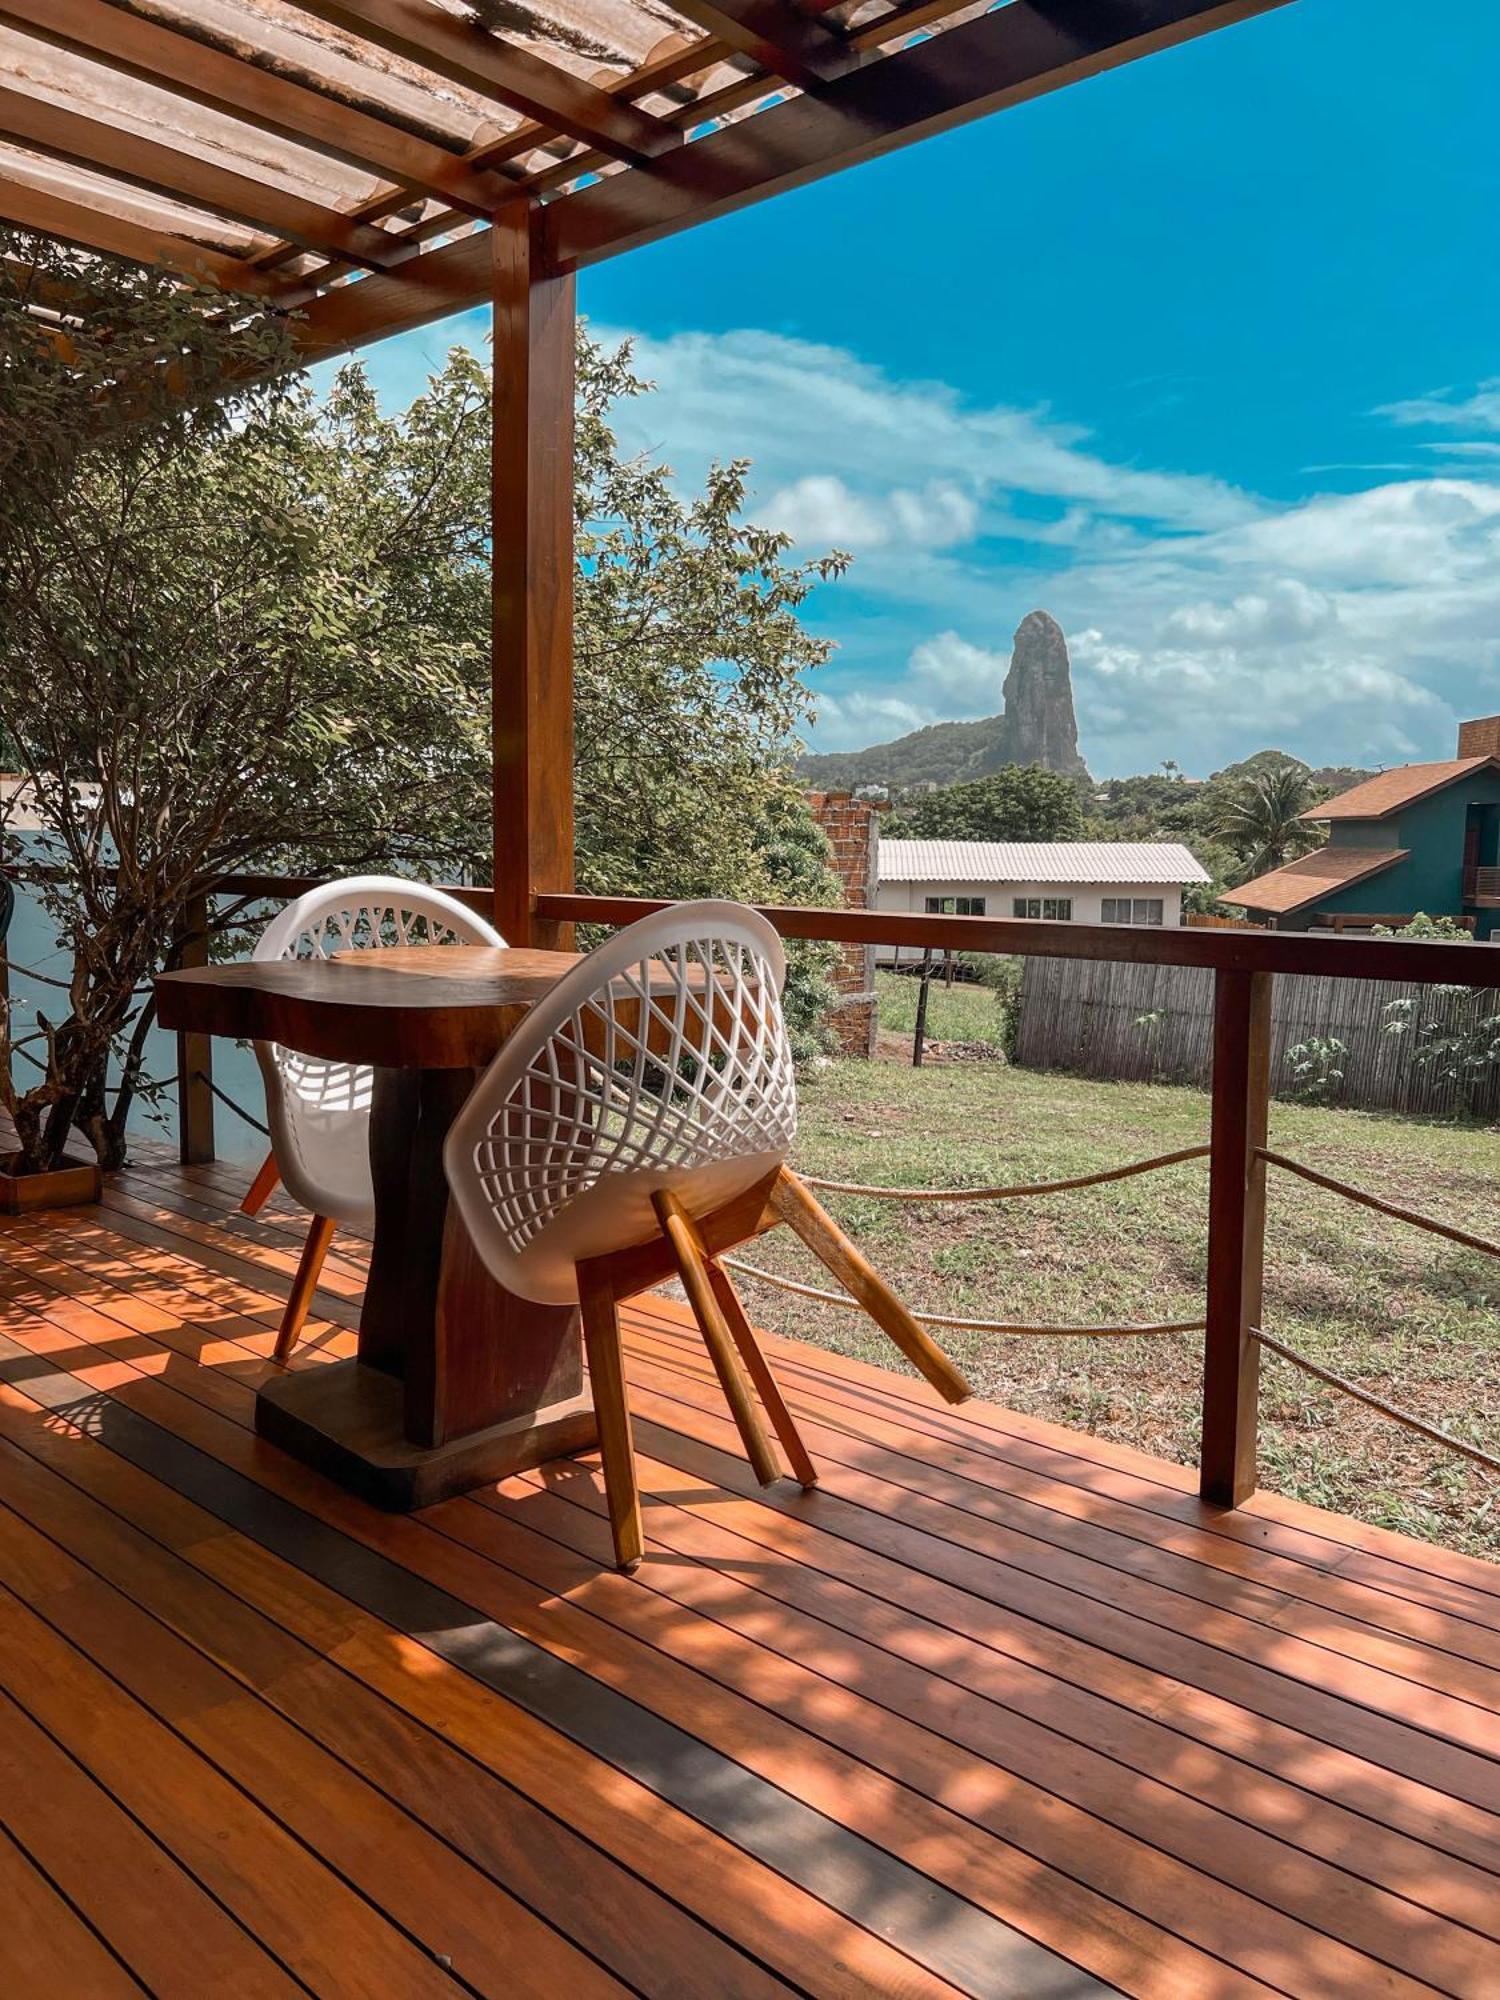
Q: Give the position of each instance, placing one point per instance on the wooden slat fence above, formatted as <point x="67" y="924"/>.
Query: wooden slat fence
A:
<point x="1154" y="1023"/>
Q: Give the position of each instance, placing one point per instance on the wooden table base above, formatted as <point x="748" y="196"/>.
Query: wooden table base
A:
<point x="458" y="1382"/>
<point x="347" y="1420"/>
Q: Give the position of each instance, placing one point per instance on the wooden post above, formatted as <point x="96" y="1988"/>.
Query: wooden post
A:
<point x="195" y="1053"/>
<point x="1236" y="1235"/>
<point x="532" y="564"/>
<point x="919" y="1033"/>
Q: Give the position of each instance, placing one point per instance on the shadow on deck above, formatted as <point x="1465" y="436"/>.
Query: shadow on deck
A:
<point x="1000" y="1709"/>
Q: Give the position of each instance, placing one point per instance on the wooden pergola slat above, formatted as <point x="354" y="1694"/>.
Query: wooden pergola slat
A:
<point x="229" y="84"/>
<point x="92" y="228"/>
<point x="511" y="75"/>
<point x="115" y="149"/>
<point x="784" y="41"/>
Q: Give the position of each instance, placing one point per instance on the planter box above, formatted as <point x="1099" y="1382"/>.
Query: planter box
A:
<point x="66" y="1186"/>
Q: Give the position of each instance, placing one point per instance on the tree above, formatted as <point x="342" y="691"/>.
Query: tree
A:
<point x="1260" y="817"/>
<point x="1019" y="802"/>
<point x="242" y="629"/>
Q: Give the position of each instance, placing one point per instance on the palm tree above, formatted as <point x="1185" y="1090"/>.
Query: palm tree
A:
<point x="1261" y="818"/>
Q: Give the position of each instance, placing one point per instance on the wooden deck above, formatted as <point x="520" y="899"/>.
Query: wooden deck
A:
<point x="999" y="1710"/>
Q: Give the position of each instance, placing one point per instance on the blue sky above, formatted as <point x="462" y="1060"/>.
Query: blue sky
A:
<point x="1203" y="356"/>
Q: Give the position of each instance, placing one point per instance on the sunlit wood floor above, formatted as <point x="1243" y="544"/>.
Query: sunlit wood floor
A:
<point x="999" y="1710"/>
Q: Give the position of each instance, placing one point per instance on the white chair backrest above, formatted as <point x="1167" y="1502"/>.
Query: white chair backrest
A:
<point x="661" y="1060"/>
<point x="308" y="1100"/>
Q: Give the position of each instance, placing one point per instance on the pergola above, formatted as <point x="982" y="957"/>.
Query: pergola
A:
<point x="371" y="165"/>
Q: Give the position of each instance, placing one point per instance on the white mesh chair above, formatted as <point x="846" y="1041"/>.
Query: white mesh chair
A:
<point x="319" y="1112"/>
<point x="635" y="1127"/>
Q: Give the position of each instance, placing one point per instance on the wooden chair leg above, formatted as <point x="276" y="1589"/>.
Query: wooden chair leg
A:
<point x="300" y="1298"/>
<point x="262" y="1187"/>
<point x="796" y="1206"/>
<point x="681" y="1233"/>
<point x="759" y="1371"/>
<point x="601" y="1340"/>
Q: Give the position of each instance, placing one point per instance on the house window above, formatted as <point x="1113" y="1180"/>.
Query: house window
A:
<point x="1131" y="910"/>
<point x="955" y="906"/>
<point x="1052" y="909"/>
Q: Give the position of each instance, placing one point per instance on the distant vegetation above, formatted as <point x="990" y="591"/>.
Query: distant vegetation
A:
<point x="943" y="754"/>
<point x="1021" y="802"/>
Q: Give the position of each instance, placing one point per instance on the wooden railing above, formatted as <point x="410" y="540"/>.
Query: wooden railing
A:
<point x="1245" y="963"/>
<point x="1482" y="886"/>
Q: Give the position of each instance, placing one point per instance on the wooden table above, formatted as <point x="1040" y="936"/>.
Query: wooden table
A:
<point x="457" y="1381"/>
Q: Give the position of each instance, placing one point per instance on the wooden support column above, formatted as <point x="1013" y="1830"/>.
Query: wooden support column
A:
<point x="532" y="513"/>
<point x="1236" y="1235"/>
<point x="195" y="1053"/>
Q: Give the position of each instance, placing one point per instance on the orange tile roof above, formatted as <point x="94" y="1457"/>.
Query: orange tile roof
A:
<point x="1314" y="876"/>
<point x="1387" y="792"/>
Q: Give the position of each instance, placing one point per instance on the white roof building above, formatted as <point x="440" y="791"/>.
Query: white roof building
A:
<point x="1081" y="882"/>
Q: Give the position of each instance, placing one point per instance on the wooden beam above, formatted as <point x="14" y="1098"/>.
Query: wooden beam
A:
<point x="188" y="177"/>
<point x="97" y="229"/>
<point x="1236" y="1235"/>
<point x="465" y="53"/>
<point x="1021" y="51"/>
<point x="226" y="83"/>
<point x="532" y="567"/>
<point x="797" y="47"/>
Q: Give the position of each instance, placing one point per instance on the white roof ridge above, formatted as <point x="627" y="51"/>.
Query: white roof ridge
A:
<point x="1080" y="861"/>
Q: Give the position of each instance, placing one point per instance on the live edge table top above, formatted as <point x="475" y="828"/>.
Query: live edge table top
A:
<point x="406" y="1007"/>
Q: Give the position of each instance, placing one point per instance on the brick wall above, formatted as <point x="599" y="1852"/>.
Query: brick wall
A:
<point x="1480" y="738"/>
<point x="852" y="829"/>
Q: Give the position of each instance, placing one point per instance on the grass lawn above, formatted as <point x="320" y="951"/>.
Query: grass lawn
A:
<point x="966" y="1013"/>
<point x="1405" y="1314"/>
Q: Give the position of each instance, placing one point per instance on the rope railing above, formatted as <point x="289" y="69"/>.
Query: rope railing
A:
<point x="1011" y="1193"/>
<point x="952" y="1321"/>
<point x="955" y="1322"/>
<point x="1417" y="1220"/>
<point x="200" y="1076"/>
<point x="1374" y="1402"/>
<point x="1394" y="1209"/>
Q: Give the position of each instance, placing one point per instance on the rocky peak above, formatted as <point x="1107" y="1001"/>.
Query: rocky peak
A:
<point x="1040" y="726"/>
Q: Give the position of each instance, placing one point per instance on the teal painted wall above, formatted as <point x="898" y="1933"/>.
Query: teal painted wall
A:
<point x="1431" y="876"/>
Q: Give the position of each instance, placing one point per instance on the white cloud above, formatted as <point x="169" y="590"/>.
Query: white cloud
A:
<point x="822" y="512"/>
<point x="962" y="678"/>
<point x="1480" y="410"/>
<point x="817" y="416"/>
<point x="1284" y="610"/>
<point x="849" y="721"/>
<point x="1205" y="622"/>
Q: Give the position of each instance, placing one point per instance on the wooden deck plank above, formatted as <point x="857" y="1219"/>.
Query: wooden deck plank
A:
<point x="1448" y="1616"/>
<point x="612" y="1914"/>
<point x="960" y="1685"/>
<point x="1314" y="1534"/>
<point x="142" y="1415"/>
<point x="1031" y="1811"/>
<point x="45" y="1946"/>
<point x="159" y="1921"/>
<point x="321" y="1929"/>
<point x="986" y="1872"/>
<point x="1433" y="1650"/>
<point x="1365" y="1709"/>
<point x="997" y="1710"/>
<point x="356" y="1651"/>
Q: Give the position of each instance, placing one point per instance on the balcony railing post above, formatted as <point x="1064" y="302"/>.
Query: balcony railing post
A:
<point x="195" y="1053"/>
<point x="1236" y="1234"/>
